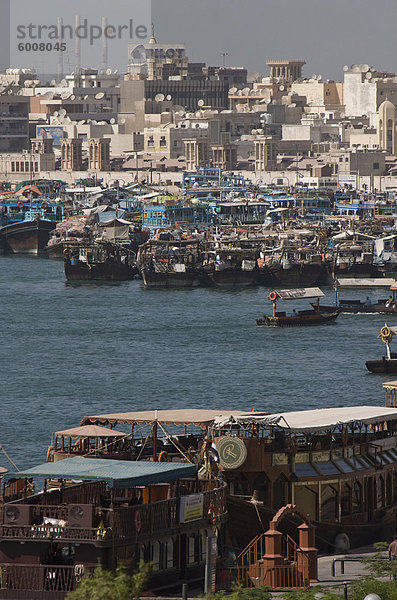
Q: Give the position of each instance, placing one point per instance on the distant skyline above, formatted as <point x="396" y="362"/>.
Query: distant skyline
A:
<point x="327" y="34"/>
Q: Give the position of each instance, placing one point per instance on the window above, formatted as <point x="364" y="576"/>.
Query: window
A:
<point x="376" y="165"/>
<point x="191" y="557"/>
<point x="356" y="498"/>
<point x="328" y="503"/>
<point x="345" y="500"/>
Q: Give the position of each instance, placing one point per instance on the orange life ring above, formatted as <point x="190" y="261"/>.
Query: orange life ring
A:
<point x="49" y="454"/>
<point x="44" y="205"/>
<point x="20" y="204"/>
<point x="164" y="457"/>
<point x="137" y="521"/>
<point x="273" y="296"/>
<point x="292" y="445"/>
<point x="212" y="514"/>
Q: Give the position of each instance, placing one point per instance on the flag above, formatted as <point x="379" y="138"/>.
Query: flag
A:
<point x="214" y="452"/>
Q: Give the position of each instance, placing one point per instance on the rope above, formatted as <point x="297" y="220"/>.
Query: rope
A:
<point x="174" y="443"/>
<point x="9" y="458"/>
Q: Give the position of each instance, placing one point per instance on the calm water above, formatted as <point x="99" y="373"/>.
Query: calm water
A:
<point x="72" y="350"/>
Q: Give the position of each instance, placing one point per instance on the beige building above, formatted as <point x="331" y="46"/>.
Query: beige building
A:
<point x="265" y="153"/>
<point x="387" y="127"/>
<point x="71" y="154"/>
<point x="99" y="154"/>
<point x="319" y="93"/>
<point x="285" y="71"/>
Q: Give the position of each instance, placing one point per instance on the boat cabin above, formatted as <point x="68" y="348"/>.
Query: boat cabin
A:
<point x="337" y="465"/>
<point x="106" y="512"/>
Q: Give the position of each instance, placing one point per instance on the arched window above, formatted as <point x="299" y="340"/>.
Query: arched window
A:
<point x="280" y="492"/>
<point x="328" y="503"/>
<point x="357" y="498"/>
<point x="262" y="488"/>
<point x="345" y="500"/>
<point x="389" y="490"/>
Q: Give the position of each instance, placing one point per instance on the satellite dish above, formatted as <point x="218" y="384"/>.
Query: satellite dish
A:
<point x="49" y="95"/>
<point x="169" y="97"/>
<point x="345" y="68"/>
<point x="56" y="114"/>
<point x="109" y="72"/>
<point x="246" y="91"/>
<point x="81" y="122"/>
<point x="355" y="68"/>
<point x="73" y="97"/>
<point x="66" y="95"/>
<point x="368" y="75"/>
<point x="53" y="82"/>
<point x="281" y="88"/>
<point x="122" y="121"/>
<point x="200" y="102"/>
<point x="68" y="120"/>
<point x="102" y="72"/>
<point x="233" y="90"/>
<point x="159" y="98"/>
<point x="99" y="96"/>
<point x="86" y="97"/>
<point x="112" y="121"/>
<point x="64" y="83"/>
<point x="267" y="100"/>
<point x="116" y="71"/>
<point x="365" y="68"/>
<point x="62" y="112"/>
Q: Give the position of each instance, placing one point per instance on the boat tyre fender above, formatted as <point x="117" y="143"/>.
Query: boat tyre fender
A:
<point x="49" y="454"/>
<point x="164" y="456"/>
<point x="212" y="514"/>
<point x="272" y="296"/>
<point x="341" y="543"/>
<point x="292" y="445"/>
<point x="137" y="521"/>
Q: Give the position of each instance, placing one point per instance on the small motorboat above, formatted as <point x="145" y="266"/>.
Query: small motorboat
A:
<point x="381" y="306"/>
<point x="314" y="316"/>
<point x="388" y="363"/>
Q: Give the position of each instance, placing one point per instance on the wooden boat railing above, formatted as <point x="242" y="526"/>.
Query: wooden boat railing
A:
<point x="45" y="579"/>
<point x="118" y="522"/>
<point x="252" y="572"/>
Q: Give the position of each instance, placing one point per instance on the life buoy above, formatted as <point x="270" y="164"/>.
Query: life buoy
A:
<point x="164" y="457"/>
<point x="211" y="514"/>
<point x="44" y="205"/>
<point x="292" y="445"/>
<point x="137" y="521"/>
<point x="49" y="454"/>
<point x="385" y="331"/>
<point x="273" y="296"/>
<point x="20" y="204"/>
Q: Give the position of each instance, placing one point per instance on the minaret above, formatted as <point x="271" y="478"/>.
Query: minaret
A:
<point x="152" y="39"/>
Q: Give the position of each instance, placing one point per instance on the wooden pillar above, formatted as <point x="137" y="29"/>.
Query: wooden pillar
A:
<point x="306" y="543"/>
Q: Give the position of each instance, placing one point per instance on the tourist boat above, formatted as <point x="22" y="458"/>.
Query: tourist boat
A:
<point x="388" y="363"/>
<point x="314" y="316"/>
<point x="387" y="306"/>
<point x="99" y="261"/>
<point x="337" y="465"/>
<point x="106" y="512"/>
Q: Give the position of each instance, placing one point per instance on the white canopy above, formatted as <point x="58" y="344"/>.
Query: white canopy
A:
<point x="308" y="421"/>
<point x="367" y="282"/>
<point x="298" y="294"/>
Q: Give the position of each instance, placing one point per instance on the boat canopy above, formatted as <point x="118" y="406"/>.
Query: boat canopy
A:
<point x="298" y="294"/>
<point x="200" y="417"/>
<point x="367" y="282"/>
<point x="310" y="421"/>
<point x="117" y="473"/>
<point x="90" y="431"/>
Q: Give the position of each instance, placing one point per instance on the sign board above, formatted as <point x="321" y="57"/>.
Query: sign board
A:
<point x="53" y="132"/>
<point x="191" y="508"/>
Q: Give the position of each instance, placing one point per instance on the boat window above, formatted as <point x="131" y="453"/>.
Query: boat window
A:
<point x="192" y="550"/>
<point x="328" y="503"/>
<point x="357" y="498"/>
<point x="204" y="537"/>
<point x="366" y="462"/>
<point x="261" y="489"/>
<point x="393" y="453"/>
<point x="280" y="492"/>
<point x="380" y="492"/>
<point x="327" y="468"/>
<point x="169" y="549"/>
<point x="156" y="556"/>
<point x="355" y="463"/>
<point x="389" y="490"/>
<point x="344" y="466"/>
<point x="305" y="470"/>
<point x="345" y="500"/>
<point x="388" y="458"/>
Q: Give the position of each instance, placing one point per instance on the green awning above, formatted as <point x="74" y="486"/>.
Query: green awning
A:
<point x="117" y="473"/>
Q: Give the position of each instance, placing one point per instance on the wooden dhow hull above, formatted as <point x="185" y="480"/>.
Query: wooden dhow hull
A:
<point x="26" y="237"/>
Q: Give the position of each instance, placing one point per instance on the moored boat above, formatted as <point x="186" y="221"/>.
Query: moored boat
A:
<point x="388" y="363"/>
<point x="99" y="262"/>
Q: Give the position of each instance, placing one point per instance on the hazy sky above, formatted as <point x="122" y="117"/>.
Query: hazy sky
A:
<point x="326" y="33"/>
